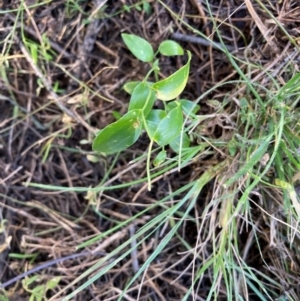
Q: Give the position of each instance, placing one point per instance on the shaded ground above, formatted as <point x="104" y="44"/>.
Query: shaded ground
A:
<point x="46" y="137"/>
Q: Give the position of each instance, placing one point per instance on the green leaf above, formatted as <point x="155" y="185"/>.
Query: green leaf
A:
<point x="147" y="8"/>
<point x="126" y="8"/>
<point x="153" y="119"/>
<point x="3" y="297"/>
<point x="292" y="86"/>
<point x="232" y="147"/>
<point x="52" y="283"/>
<point x="171" y="105"/>
<point x="120" y="134"/>
<point x="170" y="48"/>
<point x="160" y="158"/>
<point x="155" y="66"/>
<point x="117" y="115"/>
<point x="172" y="86"/>
<point x="175" y="144"/>
<point x="188" y="106"/>
<point x="130" y="86"/>
<point x="170" y="127"/>
<point x="27" y="281"/>
<point x="38" y="292"/>
<point x="138" y="7"/>
<point x="139" y="47"/>
<point x="142" y="98"/>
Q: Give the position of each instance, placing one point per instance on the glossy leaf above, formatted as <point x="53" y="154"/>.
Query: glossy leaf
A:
<point x="153" y="119"/>
<point x="147" y="7"/>
<point x="169" y="127"/>
<point x="117" y="115"/>
<point x="160" y="158"/>
<point x="170" y="48"/>
<point x="130" y="86"/>
<point x="120" y="134"/>
<point x="171" y="105"/>
<point x="172" y="86"/>
<point x="142" y="98"/>
<point x="177" y="143"/>
<point x="139" y="47"/>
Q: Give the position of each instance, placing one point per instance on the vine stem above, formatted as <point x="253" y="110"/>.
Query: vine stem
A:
<point x="148" y="164"/>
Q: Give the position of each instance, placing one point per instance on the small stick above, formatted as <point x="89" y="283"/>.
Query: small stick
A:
<point x="201" y="41"/>
<point x="134" y="253"/>
<point x="88" y="43"/>
<point x="44" y="266"/>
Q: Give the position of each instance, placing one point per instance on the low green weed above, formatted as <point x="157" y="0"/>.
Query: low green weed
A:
<point x="140" y="6"/>
<point x="38" y="293"/>
<point x="163" y="126"/>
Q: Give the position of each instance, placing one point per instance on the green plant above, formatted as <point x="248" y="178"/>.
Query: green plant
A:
<point x="38" y="292"/>
<point x="3" y="296"/>
<point x="163" y="127"/>
<point x="139" y="6"/>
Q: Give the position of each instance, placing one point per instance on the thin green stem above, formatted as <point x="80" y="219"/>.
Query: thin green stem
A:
<point x="148" y="164"/>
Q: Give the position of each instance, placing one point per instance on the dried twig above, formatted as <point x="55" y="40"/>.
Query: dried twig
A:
<point x="200" y="41"/>
<point x="88" y="43"/>
<point x="44" y="266"/>
<point x="263" y="29"/>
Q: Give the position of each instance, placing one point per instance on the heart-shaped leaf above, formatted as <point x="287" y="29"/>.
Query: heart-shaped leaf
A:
<point x="170" y="48"/>
<point x="120" y="134"/>
<point x="172" y="86"/>
<point x="142" y="98"/>
<point x="169" y="127"/>
<point x="177" y="142"/>
<point x="153" y="119"/>
<point x="139" y="47"/>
